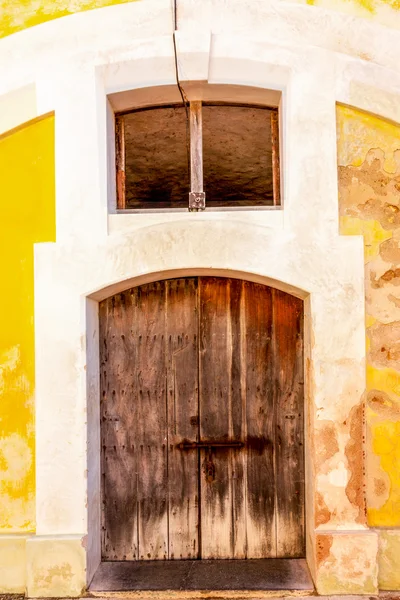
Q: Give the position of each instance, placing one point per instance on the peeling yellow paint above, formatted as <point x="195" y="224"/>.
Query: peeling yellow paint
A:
<point x="383" y="379"/>
<point x="386" y="444"/>
<point x="373" y="233"/>
<point x="360" y="131"/>
<point x="369" y="202"/>
<point x="27" y="216"/>
<point x="16" y="16"/>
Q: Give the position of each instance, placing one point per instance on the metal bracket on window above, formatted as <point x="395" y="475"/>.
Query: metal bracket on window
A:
<point x="197" y="201"/>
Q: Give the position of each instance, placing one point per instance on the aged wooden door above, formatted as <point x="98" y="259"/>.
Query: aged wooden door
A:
<point x="202" y="421"/>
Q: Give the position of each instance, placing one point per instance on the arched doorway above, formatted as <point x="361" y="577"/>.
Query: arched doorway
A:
<point x="202" y="421"/>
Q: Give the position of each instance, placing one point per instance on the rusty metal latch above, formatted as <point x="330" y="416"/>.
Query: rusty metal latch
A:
<point x="192" y="445"/>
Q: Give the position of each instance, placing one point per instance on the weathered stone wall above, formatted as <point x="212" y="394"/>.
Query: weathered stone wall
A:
<point x="369" y="201"/>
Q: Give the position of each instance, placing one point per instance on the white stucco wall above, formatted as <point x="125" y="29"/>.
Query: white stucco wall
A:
<point x="85" y="65"/>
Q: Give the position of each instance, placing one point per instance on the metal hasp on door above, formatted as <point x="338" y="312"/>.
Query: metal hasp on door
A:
<point x="202" y="421"/>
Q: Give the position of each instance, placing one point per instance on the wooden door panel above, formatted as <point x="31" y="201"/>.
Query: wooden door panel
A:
<point x="134" y="424"/>
<point x="260" y="513"/>
<point x="199" y="359"/>
<point x="148" y="330"/>
<point x="289" y="424"/>
<point x="119" y="464"/>
<point x="183" y="411"/>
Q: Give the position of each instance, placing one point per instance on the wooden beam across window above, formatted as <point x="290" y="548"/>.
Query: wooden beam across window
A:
<point x="196" y="194"/>
<point x="276" y="177"/>
<point x="120" y="161"/>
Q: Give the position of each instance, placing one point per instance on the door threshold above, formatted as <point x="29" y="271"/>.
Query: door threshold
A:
<point x="205" y="578"/>
<point x="207" y="595"/>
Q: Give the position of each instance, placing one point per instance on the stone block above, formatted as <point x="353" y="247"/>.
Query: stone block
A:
<point x="389" y="560"/>
<point x="347" y="563"/>
<point x="12" y="564"/>
<point x="56" y="567"/>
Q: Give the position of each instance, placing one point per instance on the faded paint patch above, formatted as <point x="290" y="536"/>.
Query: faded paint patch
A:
<point x="386" y="443"/>
<point x="389" y="560"/>
<point x="12" y="564"/>
<point x="384" y="348"/>
<point x="381" y="404"/>
<point x="348" y="564"/>
<point x="15" y="459"/>
<point x="16" y="16"/>
<point x="326" y="443"/>
<point x="322" y="512"/>
<point x="324" y="544"/>
<point x="355" y="451"/>
<point x="27" y="216"/>
<point x="369" y="204"/>
<point x="55" y="568"/>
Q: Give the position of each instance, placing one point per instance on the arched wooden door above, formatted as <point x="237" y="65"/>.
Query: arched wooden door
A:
<point x="202" y="421"/>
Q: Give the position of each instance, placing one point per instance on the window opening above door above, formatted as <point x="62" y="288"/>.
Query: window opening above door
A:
<point x="227" y="155"/>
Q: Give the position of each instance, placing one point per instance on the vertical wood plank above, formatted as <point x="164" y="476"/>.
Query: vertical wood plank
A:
<point x="276" y="165"/>
<point x="222" y="500"/>
<point x="215" y="417"/>
<point x="260" y="422"/>
<point x="118" y="416"/>
<point x="148" y="330"/>
<point x="196" y="147"/>
<point x="237" y="399"/>
<point x="120" y="160"/>
<point x="183" y="420"/>
<point x="289" y="419"/>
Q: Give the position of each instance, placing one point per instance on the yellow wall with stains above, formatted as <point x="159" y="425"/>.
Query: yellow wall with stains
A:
<point x="20" y="14"/>
<point x="27" y="205"/>
<point x="369" y="198"/>
<point x="386" y="12"/>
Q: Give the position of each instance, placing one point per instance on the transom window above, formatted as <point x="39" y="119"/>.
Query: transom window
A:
<point x="199" y="156"/>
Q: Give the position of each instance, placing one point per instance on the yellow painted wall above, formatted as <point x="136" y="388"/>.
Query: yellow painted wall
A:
<point x="16" y="15"/>
<point x="369" y="198"/>
<point x="27" y="215"/>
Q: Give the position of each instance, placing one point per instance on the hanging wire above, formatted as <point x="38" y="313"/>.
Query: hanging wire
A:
<point x="185" y="100"/>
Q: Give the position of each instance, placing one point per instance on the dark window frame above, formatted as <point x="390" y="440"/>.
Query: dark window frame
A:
<point x="196" y="200"/>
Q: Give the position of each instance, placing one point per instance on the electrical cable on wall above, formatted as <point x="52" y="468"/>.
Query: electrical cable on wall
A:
<point x="185" y="100"/>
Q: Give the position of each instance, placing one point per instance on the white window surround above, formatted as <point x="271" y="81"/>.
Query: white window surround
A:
<point x="297" y="249"/>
